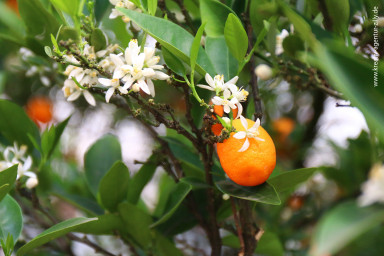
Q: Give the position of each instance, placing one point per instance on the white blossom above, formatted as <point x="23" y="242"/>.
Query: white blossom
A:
<point x="72" y="92"/>
<point x="113" y="84"/>
<point x="251" y="133"/>
<point x="217" y="83"/>
<point x="225" y="101"/>
<point x="123" y="4"/>
<point x="279" y="41"/>
<point x="373" y="188"/>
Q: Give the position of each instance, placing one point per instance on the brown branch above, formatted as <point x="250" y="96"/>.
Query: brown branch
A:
<point x="248" y="226"/>
<point x="238" y="226"/>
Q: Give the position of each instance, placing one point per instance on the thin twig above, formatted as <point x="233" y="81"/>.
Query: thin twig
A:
<point x="238" y="226"/>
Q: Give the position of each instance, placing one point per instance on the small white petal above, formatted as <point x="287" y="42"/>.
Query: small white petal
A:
<point x="209" y="80"/>
<point x="232" y="81"/>
<point x="244" y="122"/>
<point x="105" y="81"/>
<point x="206" y="87"/>
<point x="227" y="109"/>
<point x="151" y="87"/>
<point x="109" y="94"/>
<point x="123" y="90"/>
<point x="116" y="60"/>
<point x="226" y="94"/>
<point x="256" y="125"/>
<point x="144" y="86"/>
<point x="245" y="146"/>
<point x="217" y="100"/>
<point x="240" y="135"/>
<point x="128" y="82"/>
<point x="239" y="110"/>
<point x="74" y="96"/>
<point x="31" y="183"/>
<point x="89" y="98"/>
<point x="160" y="75"/>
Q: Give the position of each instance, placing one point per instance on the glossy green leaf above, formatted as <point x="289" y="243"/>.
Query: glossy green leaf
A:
<point x="171" y="36"/>
<point x="355" y="77"/>
<point x="101" y="7"/>
<point x="260" y="10"/>
<point x="176" y="197"/>
<point x="221" y="57"/>
<point x="214" y="13"/>
<point x="69" y="6"/>
<point x="85" y="204"/>
<point x="104" y="225"/>
<point x="137" y="223"/>
<point x="114" y="186"/>
<point x="98" y="39"/>
<point x="264" y="193"/>
<point x="196" y="183"/>
<point x="196" y="47"/>
<point x="11" y="221"/>
<point x="140" y="179"/>
<point x="7" y="177"/>
<point x="54" y="232"/>
<point x="236" y="37"/>
<point x="173" y="62"/>
<point x="165" y="247"/>
<point x="293" y="45"/>
<point x="39" y="22"/>
<point x="342" y="225"/>
<point x="15" y="124"/>
<point x="290" y="179"/>
<point x="99" y="159"/>
<point x="152" y="6"/>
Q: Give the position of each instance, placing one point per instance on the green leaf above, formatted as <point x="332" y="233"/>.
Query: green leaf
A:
<point x="152" y="7"/>
<point x="69" y="6"/>
<point x="221" y="57"/>
<point x="196" y="47"/>
<point x="67" y="33"/>
<point x="114" y="186"/>
<point x="259" y="11"/>
<point x="338" y="13"/>
<point x="10" y="19"/>
<point x="15" y="124"/>
<point x="137" y="223"/>
<point x="11" y="221"/>
<point x="164" y="247"/>
<point x="101" y="7"/>
<point x="83" y="203"/>
<point x="301" y="25"/>
<point x="292" y="45"/>
<point x="173" y="62"/>
<point x="342" y="225"/>
<point x="104" y="225"/>
<point x="39" y="22"/>
<point x="171" y="36"/>
<point x="140" y="179"/>
<point x="7" y="177"/>
<point x="54" y="232"/>
<point x="214" y="14"/>
<point x="264" y="193"/>
<point x="176" y="197"/>
<point x="99" y="159"/>
<point x="290" y="179"/>
<point x="98" y="39"/>
<point x="195" y="183"/>
<point x="236" y="37"/>
<point x="355" y="77"/>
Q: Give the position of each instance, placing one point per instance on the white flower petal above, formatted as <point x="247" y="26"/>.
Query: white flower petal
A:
<point x="240" y="135"/>
<point x="227" y="109"/>
<point x="144" y="86"/>
<point x="109" y="94"/>
<point x="209" y="80"/>
<point x="256" y="125"/>
<point x="128" y="82"/>
<point x="206" y="87"/>
<point x="239" y="110"/>
<point x="160" y="75"/>
<point x="226" y="94"/>
<point x="89" y="98"/>
<point x="233" y="81"/>
<point x="149" y="53"/>
<point x="151" y="87"/>
<point x="244" y="122"/>
<point x="105" y="81"/>
<point x="245" y="146"/>
<point x="217" y="100"/>
<point x="74" y="96"/>
<point x="116" y="60"/>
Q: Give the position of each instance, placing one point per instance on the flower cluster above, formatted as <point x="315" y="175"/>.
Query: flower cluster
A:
<point x="15" y="155"/>
<point x="134" y="69"/>
<point x="230" y="97"/>
<point x="123" y="4"/>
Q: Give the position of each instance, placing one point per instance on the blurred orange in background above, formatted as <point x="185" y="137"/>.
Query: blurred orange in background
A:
<point x="13" y="5"/>
<point x="39" y="109"/>
<point x="283" y="128"/>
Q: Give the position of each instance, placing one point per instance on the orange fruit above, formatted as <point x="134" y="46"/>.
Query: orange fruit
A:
<point x="253" y="166"/>
<point x="39" y="109"/>
<point x="219" y="110"/>
<point x="283" y="127"/>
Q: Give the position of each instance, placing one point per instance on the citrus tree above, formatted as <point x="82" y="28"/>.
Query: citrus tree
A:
<point x="231" y="92"/>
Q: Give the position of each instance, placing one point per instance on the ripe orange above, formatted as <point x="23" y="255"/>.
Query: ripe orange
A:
<point x="253" y="166"/>
<point x="219" y="110"/>
<point x="39" y="109"/>
<point x="283" y="127"/>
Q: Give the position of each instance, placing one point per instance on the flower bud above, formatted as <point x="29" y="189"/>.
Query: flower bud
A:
<point x="31" y="183"/>
<point x="135" y="87"/>
<point x="264" y="72"/>
<point x="226" y="196"/>
<point x="358" y="28"/>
